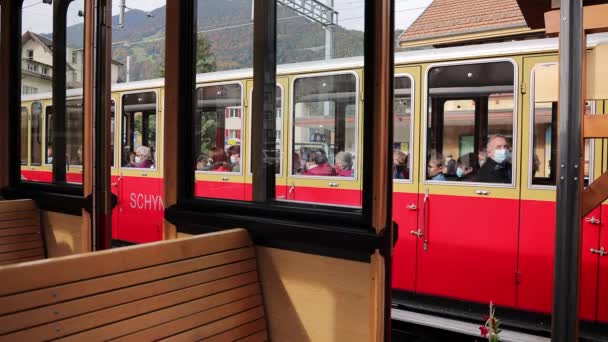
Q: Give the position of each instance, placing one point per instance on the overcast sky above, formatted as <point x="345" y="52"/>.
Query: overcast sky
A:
<point x="37" y="16"/>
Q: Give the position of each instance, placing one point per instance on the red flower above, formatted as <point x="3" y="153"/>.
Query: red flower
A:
<point x="484" y="331"/>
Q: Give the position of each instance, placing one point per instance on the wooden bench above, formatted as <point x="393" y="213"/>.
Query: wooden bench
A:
<point x="200" y="288"/>
<point x="20" y="233"/>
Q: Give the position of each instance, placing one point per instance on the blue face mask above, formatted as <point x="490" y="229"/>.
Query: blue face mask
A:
<point x="459" y="172"/>
<point x="49" y="160"/>
<point x="500" y="156"/>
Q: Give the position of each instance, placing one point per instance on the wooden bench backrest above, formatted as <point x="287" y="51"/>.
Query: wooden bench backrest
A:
<point x="20" y="233"/>
<point x="203" y="287"/>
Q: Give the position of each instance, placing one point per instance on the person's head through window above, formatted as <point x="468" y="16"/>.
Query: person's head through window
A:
<point x="434" y="168"/>
<point x="400" y="167"/>
<point x="143" y="157"/>
<point x="498" y="149"/>
<point x="202" y="163"/>
<point x="296" y="164"/>
<point x="234" y="153"/>
<point x="131" y="162"/>
<point x="219" y="160"/>
<point x="344" y="164"/>
<point x="466" y="165"/>
<point x="49" y="154"/>
<point x="318" y="164"/>
<point x="79" y="154"/>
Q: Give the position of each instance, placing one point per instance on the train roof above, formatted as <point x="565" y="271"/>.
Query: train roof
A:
<point x="408" y="57"/>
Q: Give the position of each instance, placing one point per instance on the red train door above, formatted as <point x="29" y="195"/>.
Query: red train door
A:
<point x="139" y="185"/>
<point x="405" y="181"/>
<point x="469" y="200"/>
<point x="537" y="216"/>
<point x="601" y="250"/>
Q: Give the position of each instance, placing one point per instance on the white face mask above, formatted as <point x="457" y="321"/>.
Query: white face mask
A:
<point x="49" y="160"/>
<point x="233" y="159"/>
<point x="500" y="155"/>
<point x="138" y="159"/>
<point x="459" y="172"/>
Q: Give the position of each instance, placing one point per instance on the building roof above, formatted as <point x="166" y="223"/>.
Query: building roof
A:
<point x="451" y="20"/>
<point x="45" y="42"/>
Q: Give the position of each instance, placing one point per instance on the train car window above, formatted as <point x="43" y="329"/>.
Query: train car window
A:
<point x="543" y="151"/>
<point x="36" y="134"/>
<point x="470" y="123"/>
<point x="75" y="131"/>
<point x="139" y="130"/>
<point x="402" y="128"/>
<point x="218" y="129"/>
<point x="50" y="136"/>
<point x="325" y="126"/>
<point x="36" y="72"/>
<point x="24" y="115"/>
<point x="279" y="131"/>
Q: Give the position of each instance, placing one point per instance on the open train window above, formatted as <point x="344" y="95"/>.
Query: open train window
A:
<point x="139" y="130"/>
<point x="74" y="132"/>
<point x="325" y="126"/>
<point x="36" y="134"/>
<point x="544" y="112"/>
<point x="279" y="131"/>
<point x="50" y="136"/>
<point x="471" y="102"/>
<point x="24" y="115"/>
<point x="218" y="128"/>
<point x="402" y="128"/>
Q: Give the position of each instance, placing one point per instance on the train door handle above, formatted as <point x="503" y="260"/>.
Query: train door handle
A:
<point x="425" y="228"/>
<point x="411" y="207"/>
<point x="225" y="179"/>
<point x="333" y="184"/>
<point x="482" y="192"/>
<point x="592" y="220"/>
<point x="292" y="188"/>
<point x="602" y="251"/>
<point x="418" y="232"/>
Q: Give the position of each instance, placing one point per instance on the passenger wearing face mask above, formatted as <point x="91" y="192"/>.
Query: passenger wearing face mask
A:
<point x="235" y="157"/>
<point x="497" y="167"/>
<point x="143" y="157"/>
<point x="467" y="167"/>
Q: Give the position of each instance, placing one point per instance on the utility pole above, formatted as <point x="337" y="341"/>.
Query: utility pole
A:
<point x="121" y="14"/>
<point x="329" y="35"/>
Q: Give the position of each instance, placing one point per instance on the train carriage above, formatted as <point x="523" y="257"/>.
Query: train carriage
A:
<point x="454" y="234"/>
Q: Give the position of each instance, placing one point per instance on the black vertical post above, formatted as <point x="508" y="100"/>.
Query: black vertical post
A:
<point x="263" y="126"/>
<point x="102" y="208"/>
<point x="570" y="166"/>
<point x="59" y="90"/>
<point x="11" y="20"/>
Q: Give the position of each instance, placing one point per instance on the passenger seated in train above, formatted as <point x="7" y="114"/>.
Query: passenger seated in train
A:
<point x="497" y="166"/>
<point x="203" y="163"/>
<point x="143" y="158"/>
<point x="79" y="160"/>
<point x="400" y="165"/>
<point x="450" y="164"/>
<point x="434" y="169"/>
<point x="467" y="166"/>
<point x="49" y="154"/>
<point x="125" y="157"/>
<point x="318" y="165"/>
<point x="344" y="164"/>
<point x="219" y="160"/>
<point x="131" y="160"/>
<point x="234" y="153"/>
<point x="297" y="167"/>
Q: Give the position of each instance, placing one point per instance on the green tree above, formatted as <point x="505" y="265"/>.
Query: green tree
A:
<point x="205" y="61"/>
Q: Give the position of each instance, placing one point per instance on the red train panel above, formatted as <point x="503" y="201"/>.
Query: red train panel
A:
<point x="404" y="258"/>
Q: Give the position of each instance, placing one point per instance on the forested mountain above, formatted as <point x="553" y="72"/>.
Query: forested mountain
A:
<point x="228" y="29"/>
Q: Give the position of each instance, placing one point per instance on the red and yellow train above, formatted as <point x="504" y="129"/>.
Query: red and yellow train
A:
<point x="460" y="236"/>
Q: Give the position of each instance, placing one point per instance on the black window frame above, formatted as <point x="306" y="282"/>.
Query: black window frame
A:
<point x="272" y="222"/>
<point x="58" y="196"/>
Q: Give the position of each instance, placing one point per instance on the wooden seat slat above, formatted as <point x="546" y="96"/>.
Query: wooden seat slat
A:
<point x="20" y="246"/>
<point x="186" y="289"/>
<point x="156" y="324"/>
<point x="240" y="332"/>
<point x="256" y="337"/>
<point x="5" y="240"/>
<point x="20" y="231"/>
<point x="218" y="327"/>
<point x="17" y="205"/>
<point x="20" y="215"/>
<point x="204" y="282"/>
<point x="92" y="265"/>
<point x="21" y="254"/>
<point x="20" y="260"/>
<point x="63" y="293"/>
<point x="19" y="223"/>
